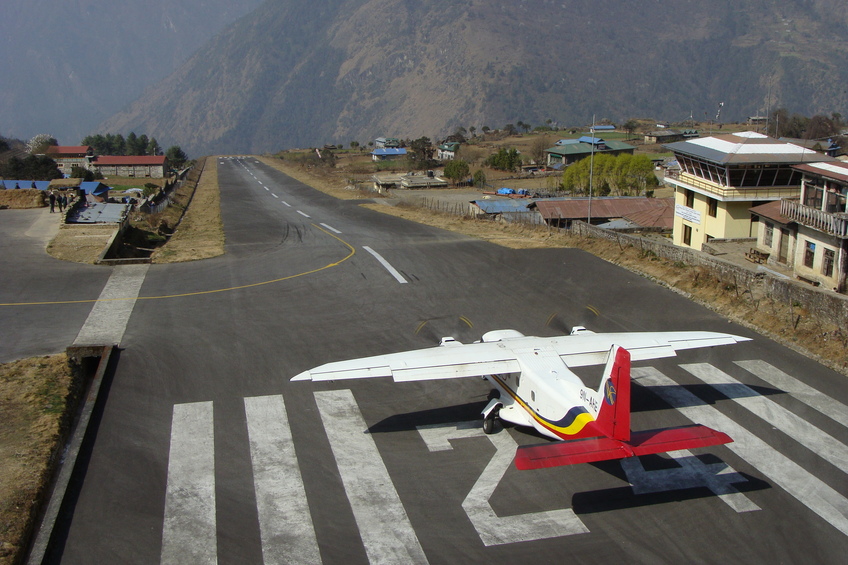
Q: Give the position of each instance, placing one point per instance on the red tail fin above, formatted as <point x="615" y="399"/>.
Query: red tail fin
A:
<point x="614" y="393"/>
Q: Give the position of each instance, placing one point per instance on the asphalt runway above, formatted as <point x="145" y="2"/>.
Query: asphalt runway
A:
<point x="205" y="452"/>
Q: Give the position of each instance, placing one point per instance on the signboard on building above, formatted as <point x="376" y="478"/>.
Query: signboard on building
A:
<point x="689" y="214"/>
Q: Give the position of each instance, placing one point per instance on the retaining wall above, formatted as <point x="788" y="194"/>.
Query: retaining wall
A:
<point x="824" y="305"/>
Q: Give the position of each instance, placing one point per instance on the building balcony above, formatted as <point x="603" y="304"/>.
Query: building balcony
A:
<point x="831" y="224"/>
<point x="734" y="193"/>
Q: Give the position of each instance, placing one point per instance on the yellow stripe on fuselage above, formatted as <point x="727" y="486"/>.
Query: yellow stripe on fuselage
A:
<point x="576" y="426"/>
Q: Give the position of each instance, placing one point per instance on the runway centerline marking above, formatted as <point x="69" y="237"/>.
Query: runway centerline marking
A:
<point x="202" y="292"/>
<point x="394" y="272"/>
<point x="331" y="228"/>
<point x="304" y="214"/>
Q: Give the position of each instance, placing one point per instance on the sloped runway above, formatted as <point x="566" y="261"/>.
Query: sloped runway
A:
<point x="206" y="453"/>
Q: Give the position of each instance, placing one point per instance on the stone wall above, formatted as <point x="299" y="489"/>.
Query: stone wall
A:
<point x="824" y="305"/>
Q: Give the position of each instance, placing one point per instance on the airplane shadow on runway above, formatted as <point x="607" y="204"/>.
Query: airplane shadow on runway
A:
<point x="618" y="498"/>
<point x="644" y="399"/>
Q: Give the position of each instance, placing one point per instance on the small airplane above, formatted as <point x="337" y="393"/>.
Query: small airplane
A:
<point x="535" y="387"/>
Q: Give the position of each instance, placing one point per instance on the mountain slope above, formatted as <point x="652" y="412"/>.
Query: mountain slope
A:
<point x="69" y="64"/>
<point x="307" y="72"/>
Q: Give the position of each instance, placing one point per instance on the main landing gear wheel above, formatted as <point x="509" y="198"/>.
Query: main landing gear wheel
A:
<point x="489" y="422"/>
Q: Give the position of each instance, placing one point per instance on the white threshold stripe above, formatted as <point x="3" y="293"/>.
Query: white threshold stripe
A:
<point x="189" y="531"/>
<point x="285" y="524"/>
<point x="394" y="272"/>
<point x="304" y="214"/>
<point x="813" y="398"/>
<point x="331" y="228"/>
<point x="808" y="489"/>
<point x="109" y="316"/>
<point x="824" y="445"/>
<point x="383" y="524"/>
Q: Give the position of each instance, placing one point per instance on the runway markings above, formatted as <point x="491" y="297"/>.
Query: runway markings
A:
<point x="285" y="523"/>
<point x="274" y="195"/>
<point x="386" y="533"/>
<point x="494" y="529"/>
<point x="189" y="530"/>
<point x="813" y="398"/>
<point x="108" y="318"/>
<point x="332" y="229"/>
<point x="808" y="489"/>
<point x="824" y="445"/>
<point x="286" y="203"/>
<point x="394" y="272"/>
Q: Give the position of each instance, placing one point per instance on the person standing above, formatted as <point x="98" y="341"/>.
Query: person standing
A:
<point x="60" y="200"/>
<point x="52" y="198"/>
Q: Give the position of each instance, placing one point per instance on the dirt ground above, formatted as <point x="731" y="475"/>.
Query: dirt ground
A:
<point x="18" y="199"/>
<point x="80" y="243"/>
<point x="33" y="394"/>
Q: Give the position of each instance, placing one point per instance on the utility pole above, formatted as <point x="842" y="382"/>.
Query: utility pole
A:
<point x="591" y="169"/>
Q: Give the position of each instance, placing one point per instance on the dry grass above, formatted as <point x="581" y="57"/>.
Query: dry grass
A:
<point x="19" y="199"/>
<point x="33" y="397"/>
<point x="80" y="243"/>
<point x="200" y="232"/>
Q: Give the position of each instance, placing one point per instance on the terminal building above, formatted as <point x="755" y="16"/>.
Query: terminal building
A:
<point x="722" y="177"/>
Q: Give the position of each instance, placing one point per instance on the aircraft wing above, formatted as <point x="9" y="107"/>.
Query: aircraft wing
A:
<point x="448" y="362"/>
<point x="501" y="357"/>
<point x="592" y="348"/>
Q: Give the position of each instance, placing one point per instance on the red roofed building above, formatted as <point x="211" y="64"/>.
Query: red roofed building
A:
<point x="561" y="212"/>
<point x="151" y="166"/>
<point x="69" y="156"/>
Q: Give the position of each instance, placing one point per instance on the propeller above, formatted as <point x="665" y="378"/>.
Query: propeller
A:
<point x="557" y="322"/>
<point x="434" y="329"/>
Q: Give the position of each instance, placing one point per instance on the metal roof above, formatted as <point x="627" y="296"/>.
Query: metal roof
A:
<point x="98" y="213"/>
<point x="12" y="184"/>
<point x="836" y="170"/>
<point x="384" y="151"/>
<point x="502" y="205"/>
<point x="586" y="148"/>
<point x="745" y="148"/>
<point x="602" y="207"/>
<point x="771" y="210"/>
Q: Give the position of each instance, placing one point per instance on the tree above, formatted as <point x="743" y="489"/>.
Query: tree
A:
<point x="510" y="129"/>
<point x="479" y="179"/>
<point x="629" y="127"/>
<point x="176" y="157"/>
<point x="622" y="174"/>
<point x="421" y="151"/>
<point x="537" y="149"/>
<point x="39" y="143"/>
<point x="505" y="159"/>
<point x="153" y="147"/>
<point x="81" y="173"/>
<point x="456" y="170"/>
<point x="31" y="167"/>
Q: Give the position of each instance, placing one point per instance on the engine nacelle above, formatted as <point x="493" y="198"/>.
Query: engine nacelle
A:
<point x="500" y="335"/>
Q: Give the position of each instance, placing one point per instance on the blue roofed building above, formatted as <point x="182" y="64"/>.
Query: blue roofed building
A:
<point x="385" y="153"/>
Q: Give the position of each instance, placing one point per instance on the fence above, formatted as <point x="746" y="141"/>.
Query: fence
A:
<point x="823" y="305"/>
